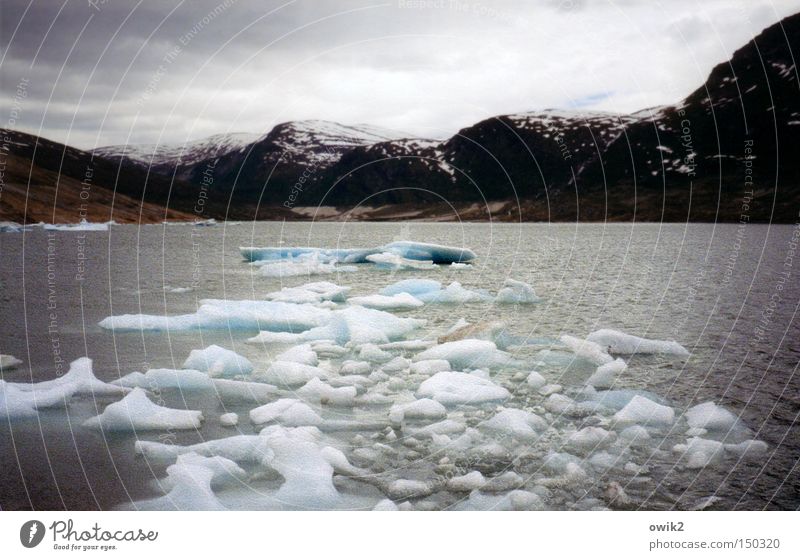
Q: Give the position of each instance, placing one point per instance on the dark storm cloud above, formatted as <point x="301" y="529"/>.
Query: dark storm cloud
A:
<point x="122" y="71"/>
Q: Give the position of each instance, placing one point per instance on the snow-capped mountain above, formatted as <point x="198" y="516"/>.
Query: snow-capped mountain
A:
<point x="188" y="153"/>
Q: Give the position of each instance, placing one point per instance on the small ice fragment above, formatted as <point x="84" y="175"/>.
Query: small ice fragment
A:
<point x="228" y="419"/>
<point x="535" y="380"/>
<point x="7" y="361"/>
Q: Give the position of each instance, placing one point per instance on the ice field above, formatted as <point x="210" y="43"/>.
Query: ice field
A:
<point x="388" y="379"/>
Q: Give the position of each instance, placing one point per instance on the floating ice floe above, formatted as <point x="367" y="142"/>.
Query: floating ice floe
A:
<point x="320" y="393"/>
<point x="641" y="410"/>
<point x="218" y="362"/>
<point x="515" y="422"/>
<point x="406" y="249"/>
<point x="7" y="361"/>
<point x="356" y="324"/>
<point x="286" y="412"/>
<point x="709" y="416"/>
<point x="454" y="388"/>
<point x="189" y="482"/>
<point x="378" y="301"/>
<point x="587" y="350"/>
<point x="137" y="412"/>
<point x="15" y="403"/>
<point x="228" y="314"/>
<point x="604" y="375"/>
<point x="426" y="409"/>
<point x="698" y="452"/>
<point x="391" y="261"/>
<point x="413" y="286"/>
<point x="311" y="266"/>
<point x="84" y="225"/>
<point x="79" y="380"/>
<point x="617" y="342"/>
<point x="165" y="378"/>
<point x="229" y="419"/>
<point x="300" y="354"/>
<point x="514" y="291"/>
<point x="291" y="373"/>
<point x="313" y="292"/>
<point x="468" y="354"/>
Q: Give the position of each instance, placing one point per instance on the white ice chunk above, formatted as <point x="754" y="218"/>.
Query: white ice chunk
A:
<point x="514" y="291"/>
<point x="515" y="422"/>
<point x="468" y="353"/>
<point x="7" y="361"/>
<point x="79" y="380"/>
<point x="137" y="412"/>
<point x="586" y="349"/>
<point x="454" y="388"/>
<point x="454" y="293"/>
<point x="535" y="380"/>
<point x="15" y="403"/>
<point x="163" y="378"/>
<point x="321" y="393"/>
<point x="710" y="416"/>
<point x="400" y="301"/>
<point x="604" y="375"/>
<point x="218" y="362"/>
<point x="228" y="419"/>
<point x="589" y="439"/>
<point x="291" y="373"/>
<point x="232" y="390"/>
<point x="473" y="480"/>
<point x="618" y="342"/>
<point x="429" y="367"/>
<point x="641" y="410"/>
<point x="430" y="252"/>
<point x="228" y="314"/>
<point x="420" y="409"/>
<point x="300" y="354"/>
<point x="412" y="286"/>
<point x="286" y="412"/>
<point x="699" y="453"/>
<point x="391" y="261"/>
<point x="749" y="449"/>
<point x="313" y="292"/>
<point x="311" y="266"/>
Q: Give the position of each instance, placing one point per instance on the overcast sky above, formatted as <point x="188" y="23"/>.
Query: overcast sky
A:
<point x="171" y="70"/>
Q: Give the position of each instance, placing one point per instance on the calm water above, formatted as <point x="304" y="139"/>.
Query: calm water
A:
<point x="728" y="293"/>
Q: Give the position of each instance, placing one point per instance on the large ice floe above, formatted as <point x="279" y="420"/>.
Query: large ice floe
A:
<point x="137" y="412"/>
<point x="20" y="400"/>
<point x="353" y="402"/>
<point x="439" y="254"/>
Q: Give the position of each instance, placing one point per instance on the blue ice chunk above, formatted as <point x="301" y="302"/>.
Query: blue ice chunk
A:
<point x="429" y="252"/>
<point x="413" y="286"/>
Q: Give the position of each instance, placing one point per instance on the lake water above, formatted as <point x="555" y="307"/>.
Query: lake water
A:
<point x="728" y="293"/>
